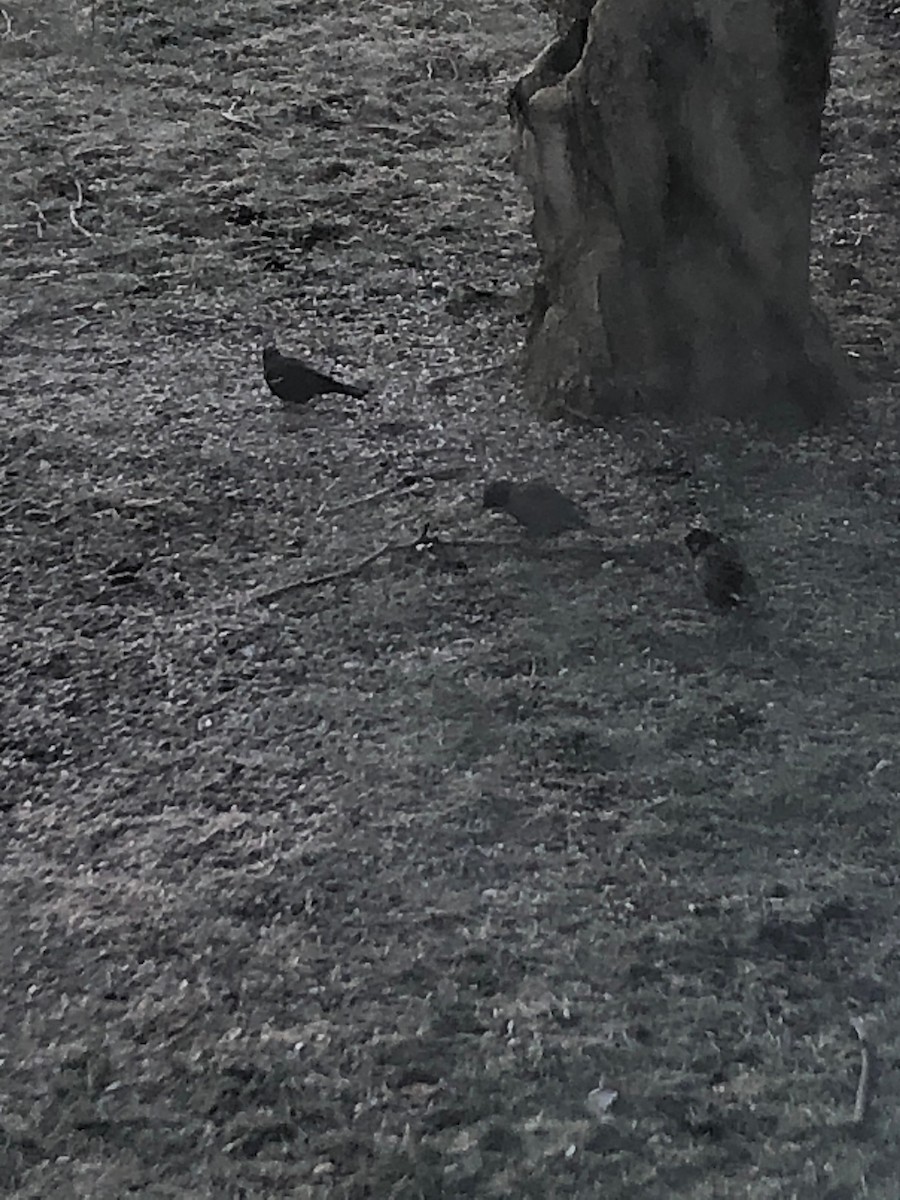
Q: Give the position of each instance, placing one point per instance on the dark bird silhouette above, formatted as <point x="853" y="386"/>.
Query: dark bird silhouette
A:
<point x="540" y="509"/>
<point x="725" y="580"/>
<point x="296" y="382"/>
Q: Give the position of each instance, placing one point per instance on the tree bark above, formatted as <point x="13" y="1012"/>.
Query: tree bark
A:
<point x="669" y="147"/>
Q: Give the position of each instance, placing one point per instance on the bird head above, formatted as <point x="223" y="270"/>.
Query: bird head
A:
<point x="496" y="494"/>
<point x="698" y="541"/>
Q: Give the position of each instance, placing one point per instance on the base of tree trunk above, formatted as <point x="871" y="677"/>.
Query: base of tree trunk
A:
<point x="669" y="148"/>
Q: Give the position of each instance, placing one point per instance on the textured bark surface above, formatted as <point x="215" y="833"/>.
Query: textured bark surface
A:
<point x="670" y="148"/>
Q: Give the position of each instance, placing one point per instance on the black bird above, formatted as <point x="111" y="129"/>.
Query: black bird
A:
<point x="540" y="509"/>
<point x="725" y="580"/>
<point x="296" y="382"/>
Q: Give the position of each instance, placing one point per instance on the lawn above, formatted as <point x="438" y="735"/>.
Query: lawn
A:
<point x="342" y="859"/>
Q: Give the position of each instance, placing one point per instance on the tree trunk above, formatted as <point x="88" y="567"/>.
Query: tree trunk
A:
<point x="669" y="147"/>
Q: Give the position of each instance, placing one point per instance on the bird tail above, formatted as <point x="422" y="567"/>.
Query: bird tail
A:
<point x="357" y="393"/>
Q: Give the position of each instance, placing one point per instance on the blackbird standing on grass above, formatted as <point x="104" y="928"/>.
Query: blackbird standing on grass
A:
<point x="295" y="382"/>
<point x="540" y="509"/>
<point x="725" y="580"/>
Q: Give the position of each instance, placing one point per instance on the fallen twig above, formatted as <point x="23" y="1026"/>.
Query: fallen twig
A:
<point x="587" y="417"/>
<point x="230" y="115"/>
<point x="377" y="495"/>
<point x="77" y="204"/>
<point x="864" y="1086"/>
<point x="141" y="502"/>
<point x="440" y="380"/>
<point x="297" y="585"/>
<point x="407" y="483"/>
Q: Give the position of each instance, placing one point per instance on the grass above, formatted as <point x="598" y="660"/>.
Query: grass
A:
<point x="363" y="891"/>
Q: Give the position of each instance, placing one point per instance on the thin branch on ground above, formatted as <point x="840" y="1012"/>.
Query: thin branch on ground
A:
<point x="866" y="1065"/>
<point x="409" y="483"/>
<point x="297" y="585"/>
<point x="357" y="500"/>
<point x="579" y="415"/>
<point x="74" y="207"/>
<point x="230" y="115"/>
<point x="440" y="380"/>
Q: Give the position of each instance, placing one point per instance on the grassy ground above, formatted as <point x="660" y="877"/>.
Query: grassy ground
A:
<point x="361" y="891"/>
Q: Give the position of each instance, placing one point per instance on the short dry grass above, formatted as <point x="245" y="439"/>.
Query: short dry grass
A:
<point x="363" y="890"/>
